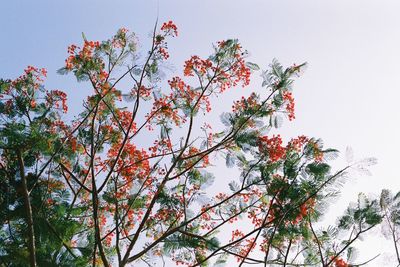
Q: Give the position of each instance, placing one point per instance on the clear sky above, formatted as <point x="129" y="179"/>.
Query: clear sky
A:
<point x="348" y="96"/>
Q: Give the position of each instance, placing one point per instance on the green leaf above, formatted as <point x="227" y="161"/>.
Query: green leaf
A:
<point x="252" y="66"/>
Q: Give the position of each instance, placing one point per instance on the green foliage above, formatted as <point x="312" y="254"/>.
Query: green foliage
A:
<point x="122" y="184"/>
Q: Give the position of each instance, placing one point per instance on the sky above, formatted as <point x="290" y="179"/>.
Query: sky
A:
<point x="348" y="95"/>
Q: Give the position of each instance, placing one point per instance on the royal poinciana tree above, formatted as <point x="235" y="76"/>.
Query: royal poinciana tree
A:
<point x="126" y="180"/>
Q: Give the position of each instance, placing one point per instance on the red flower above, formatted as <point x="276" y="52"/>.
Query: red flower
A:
<point x="33" y="103"/>
<point x="290" y="105"/>
<point x="272" y="146"/>
<point x="170" y="28"/>
<point x="339" y="262"/>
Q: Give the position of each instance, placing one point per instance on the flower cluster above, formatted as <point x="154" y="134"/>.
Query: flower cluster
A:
<point x="235" y="70"/>
<point x="305" y="209"/>
<point x="32" y="76"/>
<point x="272" y="147"/>
<point x="196" y="65"/>
<point x="164" y="109"/>
<point x="194" y="157"/>
<point x="246" y="103"/>
<point x="170" y="28"/>
<point x="188" y="95"/>
<point x="132" y="163"/>
<point x="124" y="119"/>
<point x="120" y="39"/>
<point x="160" y="147"/>
<point x="317" y="152"/>
<point x="58" y="99"/>
<point x="288" y="97"/>
<point x="85" y="54"/>
<point x="296" y="144"/>
<point x="339" y="262"/>
<point x="236" y="234"/>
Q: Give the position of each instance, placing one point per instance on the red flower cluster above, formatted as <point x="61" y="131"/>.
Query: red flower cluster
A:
<point x="236" y="234"/>
<point x="161" y="146"/>
<point x="194" y="157"/>
<point x="177" y="83"/>
<point x="88" y="48"/>
<point x="163" y="52"/>
<point x="131" y="163"/>
<point x="195" y="63"/>
<point x="287" y="96"/>
<point x="54" y="97"/>
<point x="188" y="94"/>
<point x="243" y="104"/>
<point x="272" y="147"/>
<point x="318" y="154"/>
<point x="163" y="108"/>
<point x="119" y="40"/>
<point x="124" y="119"/>
<point x="305" y="209"/>
<point x="297" y="143"/>
<point x="339" y="262"/>
<point x="170" y="28"/>
<point x="237" y="72"/>
<point x="85" y="53"/>
<point x="36" y="74"/>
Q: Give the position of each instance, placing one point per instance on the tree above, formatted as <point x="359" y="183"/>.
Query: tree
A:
<point x="126" y="180"/>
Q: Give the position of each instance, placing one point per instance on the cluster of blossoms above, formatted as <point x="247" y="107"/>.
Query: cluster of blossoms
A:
<point x="80" y="57"/>
<point x="54" y="97"/>
<point x="194" y="157"/>
<point x="188" y="95"/>
<point x="36" y="73"/>
<point x="318" y="154"/>
<point x="26" y="88"/>
<point x="272" y="146"/>
<point x="160" y="147"/>
<point x="237" y="72"/>
<point x="288" y="97"/>
<point x="305" y="209"/>
<point x="132" y="162"/>
<point x="236" y="234"/>
<point x="339" y="262"/>
<point x="169" y="29"/>
<point x="225" y="71"/>
<point x="296" y="144"/>
<point x="165" y="214"/>
<point x="59" y="126"/>
<point x="124" y="120"/>
<point x="164" y="110"/>
<point x="250" y="103"/>
<point x="244" y="246"/>
<point x="197" y="65"/>
<point x="206" y="222"/>
<point x="120" y="39"/>
<point x="33" y="76"/>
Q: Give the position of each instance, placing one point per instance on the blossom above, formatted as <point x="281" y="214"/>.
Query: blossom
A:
<point x="170" y="28"/>
<point x="339" y="262"/>
<point x="287" y="96"/>
<point x="272" y="146"/>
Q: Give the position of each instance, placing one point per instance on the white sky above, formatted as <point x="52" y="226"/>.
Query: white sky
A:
<point x="348" y="96"/>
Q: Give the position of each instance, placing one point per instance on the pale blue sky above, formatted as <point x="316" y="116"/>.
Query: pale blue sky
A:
<point x="348" y="96"/>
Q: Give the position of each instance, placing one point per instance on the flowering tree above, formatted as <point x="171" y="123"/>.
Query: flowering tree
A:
<point x="126" y="180"/>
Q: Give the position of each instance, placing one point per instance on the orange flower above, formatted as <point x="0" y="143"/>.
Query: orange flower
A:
<point x="33" y="103"/>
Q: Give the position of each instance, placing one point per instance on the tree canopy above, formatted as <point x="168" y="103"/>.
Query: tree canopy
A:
<point x="132" y="177"/>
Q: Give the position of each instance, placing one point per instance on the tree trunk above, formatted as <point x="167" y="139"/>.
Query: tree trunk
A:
<point x="28" y="209"/>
